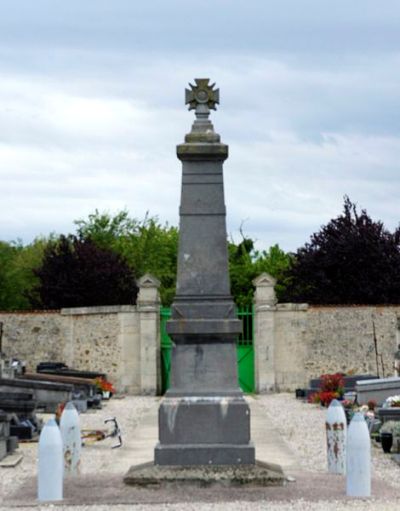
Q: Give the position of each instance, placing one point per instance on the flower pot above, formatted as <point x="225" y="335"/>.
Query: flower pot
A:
<point x="106" y="394"/>
<point x="386" y="441"/>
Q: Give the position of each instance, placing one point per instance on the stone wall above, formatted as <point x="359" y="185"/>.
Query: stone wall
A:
<point x="122" y="341"/>
<point x="293" y="342"/>
<point x="296" y="342"/>
<point x="35" y="337"/>
<point x="342" y="339"/>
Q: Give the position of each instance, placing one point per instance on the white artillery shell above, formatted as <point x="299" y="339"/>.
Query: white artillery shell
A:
<point x="336" y="427"/>
<point x="50" y="466"/>
<point x="358" y="480"/>
<point x="71" y="436"/>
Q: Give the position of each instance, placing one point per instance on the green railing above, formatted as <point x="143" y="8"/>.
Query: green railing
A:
<point x="245" y="352"/>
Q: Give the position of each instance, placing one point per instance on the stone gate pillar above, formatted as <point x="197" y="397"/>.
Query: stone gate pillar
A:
<point x="148" y="307"/>
<point x="264" y="332"/>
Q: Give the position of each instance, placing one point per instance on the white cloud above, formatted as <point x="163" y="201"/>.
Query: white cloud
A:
<point x="95" y="125"/>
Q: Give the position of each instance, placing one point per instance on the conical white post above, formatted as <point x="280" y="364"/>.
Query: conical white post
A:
<point x="50" y="466"/>
<point x="358" y="481"/>
<point x="71" y="436"/>
<point x="336" y="428"/>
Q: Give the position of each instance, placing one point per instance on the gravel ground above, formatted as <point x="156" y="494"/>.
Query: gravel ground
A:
<point x="291" y="418"/>
<point x="96" y="458"/>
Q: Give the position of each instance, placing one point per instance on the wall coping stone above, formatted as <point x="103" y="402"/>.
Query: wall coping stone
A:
<point x="292" y="306"/>
<point x="264" y="307"/>
<point x="315" y="307"/>
<point x="100" y="309"/>
<point x="31" y="312"/>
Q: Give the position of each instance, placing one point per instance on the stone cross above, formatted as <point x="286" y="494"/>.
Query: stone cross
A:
<point x="204" y="418"/>
<point x="202" y="97"/>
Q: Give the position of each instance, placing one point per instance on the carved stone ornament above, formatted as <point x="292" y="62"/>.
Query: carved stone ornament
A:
<point x="202" y="95"/>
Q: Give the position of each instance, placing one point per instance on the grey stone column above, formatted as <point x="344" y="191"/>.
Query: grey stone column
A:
<point x="204" y="418"/>
<point x="264" y="332"/>
<point x="148" y="306"/>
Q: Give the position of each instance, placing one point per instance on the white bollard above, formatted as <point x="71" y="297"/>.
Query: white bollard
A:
<point x="336" y="428"/>
<point x="71" y="436"/>
<point x="50" y="466"/>
<point x="358" y="481"/>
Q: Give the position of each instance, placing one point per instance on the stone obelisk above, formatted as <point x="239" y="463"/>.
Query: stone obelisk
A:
<point x="203" y="418"/>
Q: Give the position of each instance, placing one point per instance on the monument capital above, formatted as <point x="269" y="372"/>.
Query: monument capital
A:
<point x="202" y="141"/>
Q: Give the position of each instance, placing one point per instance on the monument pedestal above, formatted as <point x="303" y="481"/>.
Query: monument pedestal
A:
<point x="204" y="419"/>
<point x="197" y="430"/>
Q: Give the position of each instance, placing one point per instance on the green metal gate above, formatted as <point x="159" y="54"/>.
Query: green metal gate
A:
<point x="166" y="348"/>
<point x="245" y="351"/>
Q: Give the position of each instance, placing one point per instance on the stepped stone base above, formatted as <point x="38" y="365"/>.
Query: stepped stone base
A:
<point x="258" y="474"/>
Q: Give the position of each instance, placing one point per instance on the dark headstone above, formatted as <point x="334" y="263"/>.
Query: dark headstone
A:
<point x="59" y="368"/>
<point x="47" y="395"/>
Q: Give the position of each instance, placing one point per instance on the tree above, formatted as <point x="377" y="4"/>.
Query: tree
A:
<point x="16" y="272"/>
<point x="246" y="263"/>
<point x="7" y="256"/>
<point x="351" y="260"/>
<point x="77" y="272"/>
<point x="150" y="247"/>
<point x="147" y="245"/>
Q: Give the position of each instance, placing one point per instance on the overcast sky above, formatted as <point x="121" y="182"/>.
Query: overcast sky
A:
<point x="92" y="107"/>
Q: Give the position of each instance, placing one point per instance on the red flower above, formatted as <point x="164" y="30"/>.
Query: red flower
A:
<point x="327" y="396"/>
<point x="332" y="382"/>
<point x="104" y="385"/>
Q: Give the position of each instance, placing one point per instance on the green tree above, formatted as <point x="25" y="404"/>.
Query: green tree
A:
<point x="245" y="264"/>
<point x="17" y="278"/>
<point x="7" y="255"/>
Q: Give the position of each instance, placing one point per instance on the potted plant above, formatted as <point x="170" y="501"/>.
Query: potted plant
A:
<point x="392" y="402"/>
<point x="331" y="387"/>
<point x="104" y="387"/>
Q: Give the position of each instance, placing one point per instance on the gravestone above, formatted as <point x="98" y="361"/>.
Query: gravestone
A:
<point x="377" y="389"/>
<point x="204" y="418"/>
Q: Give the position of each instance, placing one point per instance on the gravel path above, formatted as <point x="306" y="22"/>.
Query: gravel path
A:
<point x="290" y="417"/>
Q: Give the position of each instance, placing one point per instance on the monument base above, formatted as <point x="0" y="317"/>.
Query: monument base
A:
<point x="258" y="474"/>
<point x="204" y="430"/>
<point x="212" y="454"/>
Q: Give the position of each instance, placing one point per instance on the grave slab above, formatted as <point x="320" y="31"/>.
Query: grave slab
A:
<point x="377" y="389"/>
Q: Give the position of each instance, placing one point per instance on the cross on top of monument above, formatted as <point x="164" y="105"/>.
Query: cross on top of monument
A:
<point x="202" y="97"/>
